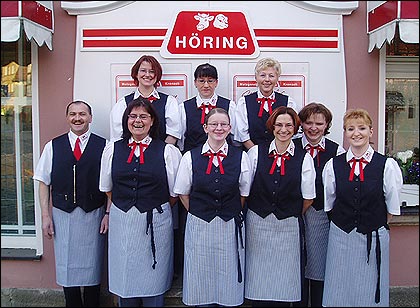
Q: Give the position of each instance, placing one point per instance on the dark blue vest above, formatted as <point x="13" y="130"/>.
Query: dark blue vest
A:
<point x="159" y="106"/>
<point x="215" y="194"/>
<point x="195" y="135"/>
<point x="359" y="204"/>
<point x="273" y="193"/>
<point x="258" y="131"/>
<point x="330" y="151"/>
<point x="144" y="186"/>
<point x="66" y="170"/>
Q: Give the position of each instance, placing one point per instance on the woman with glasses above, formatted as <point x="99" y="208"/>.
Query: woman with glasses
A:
<point x="138" y="173"/>
<point x="283" y="188"/>
<point x="253" y="110"/>
<point x="193" y="112"/>
<point x="212" y="183"/>
<point x="147" y="73"/>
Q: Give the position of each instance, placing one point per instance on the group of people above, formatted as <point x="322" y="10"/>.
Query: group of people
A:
<point x="249" y="199"/>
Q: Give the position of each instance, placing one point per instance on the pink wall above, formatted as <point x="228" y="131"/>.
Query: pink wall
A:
<point x="56" y="91"/>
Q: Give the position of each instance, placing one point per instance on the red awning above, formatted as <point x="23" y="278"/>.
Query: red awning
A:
<point x="36" y="17"/>
<point x="383" y="17"/>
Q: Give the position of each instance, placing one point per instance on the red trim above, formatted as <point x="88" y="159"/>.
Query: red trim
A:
<point x="9" y="9"/>
<point x="122" y="43"/>
<point x="123" y="32"/>
<point x="37" y="13"/>
<point x="409" y="10"/>
<point x="382" y="15"/>
<point x="297" y="44"/>
<point x="296" y="33"/>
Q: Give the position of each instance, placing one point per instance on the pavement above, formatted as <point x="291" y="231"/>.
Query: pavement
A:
<point x="399" y="297"/>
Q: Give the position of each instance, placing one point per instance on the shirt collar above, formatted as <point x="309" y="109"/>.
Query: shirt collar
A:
<point x="260" y="95"/>
<point x="367" y="155"/>
<point x="206" y="148"/>
<point x="290" y="149"/>
<point x="146" y="140"/>
<point x="211" y="101"/>
<point x="155" y="93"/>
<point x="305" y="142"/>
<point x="83" y="138"/>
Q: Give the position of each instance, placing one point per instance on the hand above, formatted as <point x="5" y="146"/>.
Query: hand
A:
<point x="104" y="225"/>
<point x="47" y="226"/>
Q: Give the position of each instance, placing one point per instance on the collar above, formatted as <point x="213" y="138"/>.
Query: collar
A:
<point x="272" y="95"/>
<point x="146" y="140"/>
<point x="367" y="155"/>
<point x="305" y="142"/>
<point x="155" y="93"/>
<point x="290" y="149"/>
<point x="210" y="101"/>
<point x="206" y="148"/>
<point x="83" y="138"/>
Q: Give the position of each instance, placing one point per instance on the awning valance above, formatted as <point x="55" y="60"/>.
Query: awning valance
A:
<point x="36" y="17"/>
<point x="383" y="17"/>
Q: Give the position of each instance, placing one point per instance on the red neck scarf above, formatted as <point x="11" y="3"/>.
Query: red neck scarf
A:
<point x="276" y="157"/>
<point x="312" y="149"/>
<point x="219" y="156"/>
<point x="203" y="108"/>
<point x="133" y="146"/>
<point x="269" y="102"/>
<point x="354" y="161"/>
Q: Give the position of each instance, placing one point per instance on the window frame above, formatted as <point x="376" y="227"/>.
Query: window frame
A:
<point x="34" y="242"/>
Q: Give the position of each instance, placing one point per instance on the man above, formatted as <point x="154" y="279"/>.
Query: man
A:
<point x="68" y="175"/>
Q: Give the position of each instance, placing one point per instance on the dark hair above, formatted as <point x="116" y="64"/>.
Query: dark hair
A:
<point x="205" y="70"/>
<point x="78" y="102"/>
<point x="214" y="111"/>
<point x="144" y="103"/>
<point x="155" y="66"/>
<point x="316" y="108"/>
<point x="283" y="110"/>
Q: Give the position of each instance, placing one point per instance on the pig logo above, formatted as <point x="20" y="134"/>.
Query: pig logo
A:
<point x="221" y="21"/>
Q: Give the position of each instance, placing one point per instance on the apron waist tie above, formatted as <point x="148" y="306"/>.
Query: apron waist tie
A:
<point x="238" y="229"/>
<point x="149" y="219"/>
<point x="378" y="262"/>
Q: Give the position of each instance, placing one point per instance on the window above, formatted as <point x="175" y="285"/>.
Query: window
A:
<point x="18" y="217"/>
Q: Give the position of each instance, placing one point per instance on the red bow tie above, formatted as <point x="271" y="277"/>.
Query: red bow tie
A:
<point x="203" y="108"/>
<point x="219" y="156"/>
<point x="312" y="149"/>
<point x="354" y="161"/>
<point x="133" y="146"/>
<point x="151" y="98"/>
<point x="269" y="102"/>
<point x="276" y="158"/>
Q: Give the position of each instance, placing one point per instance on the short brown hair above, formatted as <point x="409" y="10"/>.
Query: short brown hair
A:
<point x="155" y="66"/>
<point x="283" y="110"/>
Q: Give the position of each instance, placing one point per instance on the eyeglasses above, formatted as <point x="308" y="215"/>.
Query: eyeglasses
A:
<point x="144" y="71"/>
<point x="142" y="117"/>
<point x="280" y="125"/>
<point x="215" y="125"/>
<point x="203" y="81"/>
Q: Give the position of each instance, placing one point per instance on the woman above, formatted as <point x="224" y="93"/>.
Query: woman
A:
<point x="253" y="110"/>
<point x="316" y="121"/>
<point x="146" y="74"/>
<point x="138" y="173"/>
<point x="362" y="190"/>
<point x="282" y="189"/>
<point x="212" y="183"/>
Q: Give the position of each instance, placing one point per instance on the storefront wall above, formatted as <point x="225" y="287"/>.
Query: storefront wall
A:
<point x="359" y="87"/>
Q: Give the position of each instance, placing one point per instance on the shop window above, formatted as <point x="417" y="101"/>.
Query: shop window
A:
<point x="402" y="114"/>
<point x="17" y="187"/>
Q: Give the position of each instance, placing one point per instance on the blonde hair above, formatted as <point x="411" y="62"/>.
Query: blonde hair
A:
<point x="354" y="114"/>
<point x="266" y="63"/>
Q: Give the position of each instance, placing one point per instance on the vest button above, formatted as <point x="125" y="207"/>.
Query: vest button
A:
<point x="216" y="180"/>
<point x="216" y="170"/>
